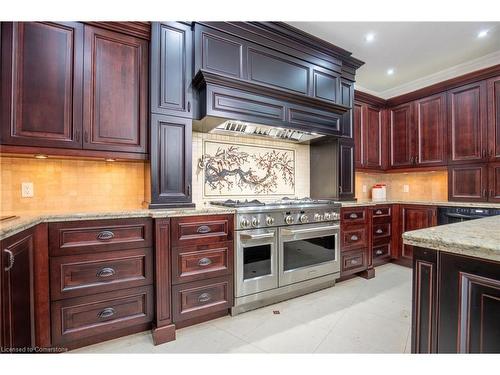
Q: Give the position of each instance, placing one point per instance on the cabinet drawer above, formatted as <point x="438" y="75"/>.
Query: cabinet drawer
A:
<point x="199" y="298"/>
<point x="83" y="317"/>
<point x="381" y="230"/>
<point x="194" y="230"/>
<point x="381" y="253"/>
<point x="384" y="211"/>
<point x="87" y="274"/>
<point x="354" y="215"/>
<point x="354" y="236"/>
<point x="201" y="262"/>
<point x="99" y="235"/>
<point x="354" y="261"/>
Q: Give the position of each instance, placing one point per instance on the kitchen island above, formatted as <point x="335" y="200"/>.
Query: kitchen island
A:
<point x="456" y="287"/>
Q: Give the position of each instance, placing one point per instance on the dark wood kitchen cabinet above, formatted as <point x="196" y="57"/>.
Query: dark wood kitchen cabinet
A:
<point x="494" y="182"/>
<point x="456" y="303"/>
<point x="171" y="150"/>
<point x="467" y="123"/>
<point x="171" y="69"/>
<point x="369" y="137"/>
<point x="468" y="182"/>
<point x="414" y="217"/>
<point x="24" y="301"/>
<point x="346" y="169"/>
<point x="494" y="118"/>
<point x="401" y="136"/>
<point x="115" y="91"/>
<point x="41" y="97"/>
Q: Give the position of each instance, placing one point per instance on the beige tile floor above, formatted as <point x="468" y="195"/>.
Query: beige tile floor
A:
<point x="355" y="316"/>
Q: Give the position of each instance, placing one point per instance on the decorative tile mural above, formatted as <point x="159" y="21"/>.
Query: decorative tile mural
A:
<point x="231" y="169"/>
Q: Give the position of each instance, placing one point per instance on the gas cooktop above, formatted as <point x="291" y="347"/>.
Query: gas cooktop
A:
<point x="294" y="202"/>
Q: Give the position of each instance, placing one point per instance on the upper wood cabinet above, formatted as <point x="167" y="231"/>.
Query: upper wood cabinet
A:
<point x="494" y="118"/>
<point x="115" y="91"/>
<point x="467" y="123"/>
<point x="171" y="69"/>
<point x="401" y="135"/>
<point x="430" y="128"/>
<point x="41" y="89"/>
<point x="358" y="135"/>
<point x="369" y="137"/>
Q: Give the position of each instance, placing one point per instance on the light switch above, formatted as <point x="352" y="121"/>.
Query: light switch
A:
<point x="406" y="188"/>
<point x="27" y="190"/>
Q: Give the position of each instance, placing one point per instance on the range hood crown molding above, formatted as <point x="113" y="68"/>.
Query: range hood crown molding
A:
<point x="204" y="77"/>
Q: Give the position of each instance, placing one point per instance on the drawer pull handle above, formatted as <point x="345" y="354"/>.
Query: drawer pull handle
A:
<point x="354" y="237"/>
<point x="106" y="313"/>
<point x="379" y="252"/>
<point x="354" y="261"/>
<point x="203" y="229"/>
<point x="11" y="260"/>
<point x="204" y="297"/>
<point x="204" y="262"/>
<point x="106" y="272"/>
<point x="378" y="212"/>
<point x="353" y="216"/>
<point x="105" y="235"/>
<point x="379" y="231"/>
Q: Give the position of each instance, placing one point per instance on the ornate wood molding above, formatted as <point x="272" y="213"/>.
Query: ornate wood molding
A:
<point x="135" y="28"/>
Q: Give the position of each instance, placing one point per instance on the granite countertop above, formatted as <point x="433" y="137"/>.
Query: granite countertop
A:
<point x="476" y="238"/>
<point x="21" y="222"/>
<point x="426" y="203"/>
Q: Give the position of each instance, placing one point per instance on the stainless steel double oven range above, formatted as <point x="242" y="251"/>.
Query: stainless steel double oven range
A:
<point x="283" y="249"/>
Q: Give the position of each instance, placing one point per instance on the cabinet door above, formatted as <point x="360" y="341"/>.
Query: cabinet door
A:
<point x="347" y="99"/>
<point x="400" y="137"/>
<point x="346" y="170"/>
<point x="41" y="75"/>
<point x="115" y="91"/>
<point x="18" y="304"/>
<point x="171" y="69"/>
<point x="430" y="130"/>
<point x="170" y="161"/>
<point x="494" y="182"/>
<point x="468" y="183"/>
<point x="373" y="137"/>
<point x="415" y="217"/>
<point x="358" y="134"/>
<point x="467" y="123"/>
<point x="494" y="118"/>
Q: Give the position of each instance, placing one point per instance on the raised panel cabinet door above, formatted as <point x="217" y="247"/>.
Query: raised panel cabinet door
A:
<point x="346" y="169"/>
<point x="430" y="129"/>
<point x="115" y="91"/>
<point x="494" y="118"/>
<point x="347" y="99"/>
<point x="373" y="137"/>
<point x="400" y="135"/>
<point x="171" y="69"/>
<point x="41" y="84"/>
<point x="494" y="182"/>
<point x="415" y="217"/>
<point x="18" y="296"/>
<point x="467" y="123"/>
<point x="468" y="183"/>
<point x="170" y="160"/>
<point x="358" y="134"/>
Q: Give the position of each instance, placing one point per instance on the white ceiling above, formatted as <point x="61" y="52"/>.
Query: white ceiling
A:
<point x="421" y="53"/>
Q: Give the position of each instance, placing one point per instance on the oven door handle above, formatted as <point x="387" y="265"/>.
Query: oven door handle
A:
<point x="291" y="232"/>
<point x="246" y="236"/>
<point x="461" y="216"/>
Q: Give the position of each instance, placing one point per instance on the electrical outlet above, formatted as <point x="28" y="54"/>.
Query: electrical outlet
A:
<point x="364" y="188"/>
<point x="406" y="188"/>
<point x="27" y="190"/>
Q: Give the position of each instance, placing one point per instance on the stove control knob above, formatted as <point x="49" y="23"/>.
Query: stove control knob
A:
<point x="245" y="223"/>
<point x="303" y="219"/>
<point x="269" y="220"/>
<point x="289" y="219"/>
<point x="328" y="216"/>
<point x="255" y="222"/>
<point x="317" y="217"/>
<point x="336" y="216"/>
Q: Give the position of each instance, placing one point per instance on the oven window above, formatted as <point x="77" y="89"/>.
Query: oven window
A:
<point x="309" y="252"/>
<point x="256" y="261"/>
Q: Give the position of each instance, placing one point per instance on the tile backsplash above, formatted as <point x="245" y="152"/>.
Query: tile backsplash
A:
<point x="292" y="181"/>
<point x="70" y="185"/>
<point x="420" y="185"/>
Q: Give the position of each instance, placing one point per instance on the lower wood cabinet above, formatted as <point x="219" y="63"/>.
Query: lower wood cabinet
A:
<point x="355" y="241"/>
<point x="354" y="261"/>
<point x="456" y="303"/>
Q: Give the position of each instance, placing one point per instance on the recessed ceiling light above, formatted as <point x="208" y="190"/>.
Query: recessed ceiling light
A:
<point x="482" y="33"/>
<point x="390" y="72"/>
<point x="369" y="37"/>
